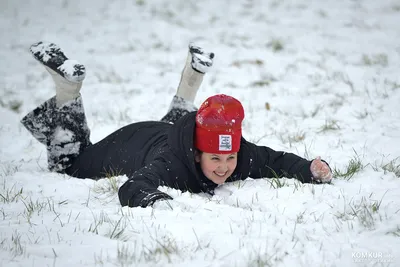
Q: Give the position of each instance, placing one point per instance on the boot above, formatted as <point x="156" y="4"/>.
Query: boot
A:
<point x="197" y="64"/>
<point x="67" y="74"/>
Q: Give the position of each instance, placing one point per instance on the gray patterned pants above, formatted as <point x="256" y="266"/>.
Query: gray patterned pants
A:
<point x="64" y="131"/>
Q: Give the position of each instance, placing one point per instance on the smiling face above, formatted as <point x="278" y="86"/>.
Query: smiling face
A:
<point x="217" y="167"/>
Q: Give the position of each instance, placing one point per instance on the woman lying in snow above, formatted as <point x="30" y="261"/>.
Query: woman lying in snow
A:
<point x="187" y="150"/>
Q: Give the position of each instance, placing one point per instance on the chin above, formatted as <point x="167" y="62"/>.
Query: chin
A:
<point x="219" y="180"/>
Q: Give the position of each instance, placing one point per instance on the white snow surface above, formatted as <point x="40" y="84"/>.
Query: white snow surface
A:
<point x="315" y="78"/>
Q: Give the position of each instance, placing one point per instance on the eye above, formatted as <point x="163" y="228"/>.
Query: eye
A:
<point x="214" y="158"/>
<point x="232" y="157"/>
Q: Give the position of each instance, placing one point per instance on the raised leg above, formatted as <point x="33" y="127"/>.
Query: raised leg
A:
<point x="60" y="122"/>
<point x="197" y="64"/>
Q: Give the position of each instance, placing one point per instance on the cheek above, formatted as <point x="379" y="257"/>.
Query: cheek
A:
<point x="232" y="165"/>
<point x="208" y="166"/>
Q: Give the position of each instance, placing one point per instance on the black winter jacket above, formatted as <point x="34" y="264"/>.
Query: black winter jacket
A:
<point x="165" y="157"/>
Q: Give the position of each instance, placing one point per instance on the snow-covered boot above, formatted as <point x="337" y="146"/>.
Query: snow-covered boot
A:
<point x="67" y="74"/>
<point x="197" y="64"/>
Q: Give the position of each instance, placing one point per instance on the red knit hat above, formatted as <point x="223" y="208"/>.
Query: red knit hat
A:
<point x="219" y="125"/>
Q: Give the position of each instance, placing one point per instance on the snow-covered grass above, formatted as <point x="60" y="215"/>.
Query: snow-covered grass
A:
<point x="315" y="78"/>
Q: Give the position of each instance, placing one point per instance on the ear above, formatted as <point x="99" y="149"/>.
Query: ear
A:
<point x="197" y="156"/>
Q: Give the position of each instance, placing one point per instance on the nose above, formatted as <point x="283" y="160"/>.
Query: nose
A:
<point x="223" y="167"/>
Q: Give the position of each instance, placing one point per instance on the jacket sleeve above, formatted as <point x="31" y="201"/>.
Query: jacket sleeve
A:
<point x="266" y="162"/>
<point x="140" y="190"/>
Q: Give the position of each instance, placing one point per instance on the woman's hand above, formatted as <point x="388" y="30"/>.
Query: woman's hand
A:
<point x="320" y="171"/>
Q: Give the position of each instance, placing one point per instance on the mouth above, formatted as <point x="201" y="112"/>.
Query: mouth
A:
<point x="221" y="174"/>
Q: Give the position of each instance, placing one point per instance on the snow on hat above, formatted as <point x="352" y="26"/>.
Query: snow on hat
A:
<point x="219" y="125"/>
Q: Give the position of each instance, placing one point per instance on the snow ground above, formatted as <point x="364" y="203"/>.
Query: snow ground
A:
<point x="329" y="72"/>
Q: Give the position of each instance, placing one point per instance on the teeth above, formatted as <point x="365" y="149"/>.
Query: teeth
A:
<point x="220" y="174"/>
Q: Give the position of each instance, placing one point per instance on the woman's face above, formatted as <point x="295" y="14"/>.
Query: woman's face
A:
<point x="217" y="167"/>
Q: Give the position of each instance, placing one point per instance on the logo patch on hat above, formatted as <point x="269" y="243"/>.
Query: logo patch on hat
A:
<point x="225" y="142"/>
